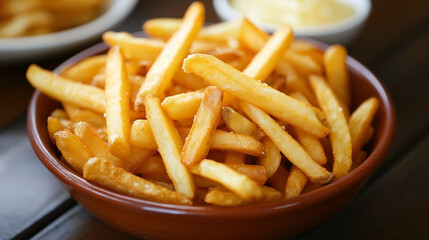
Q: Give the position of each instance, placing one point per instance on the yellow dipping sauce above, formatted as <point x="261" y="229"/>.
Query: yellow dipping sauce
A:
<point x="294" y="12"/>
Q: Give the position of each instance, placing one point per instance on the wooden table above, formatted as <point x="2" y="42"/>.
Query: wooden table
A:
<point x="394" y="204"/>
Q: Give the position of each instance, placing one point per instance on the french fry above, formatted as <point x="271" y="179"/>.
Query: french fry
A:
<point x="369" y="135"/>
<point x="251" y="37"/>
<point x="358" y="159"/>
<point x="169" y="145"/>
<point x="141" y="135"/>
<point x="295" y="183"/>
<point x="287" y="145"/>
<point x="188" y="80"/>
<point x="152" y="164"/>
<point x="304" y="64"/>
<point x="95" y="144"/>
<point x="239" y="124"/>
<point x="137" y="156"/>
<point x="164" y="28"/>
<point x="272" y="158"/>
<point x="222" y="197"/>
<point x="57" y="124"/>
<point x="183" y="106"/>
<point x="65" y="90"/>
<point x="334" y="61"/>
<point x="162" y="70"/>
<point x="240" y="184"/>
<point x="241" y="86"/>
<point x="78" y="114"/>
<point x="117" y="104"/>
<point x="255" y="172"/>
<point x="85" y="70"/>
<point x="277" y="81"/>
<point x="360" y="122"/>
<point x="278" y="180"/>
<point x="73" y="150"/>
<point x="197" y="143"/>
<point x="222" y="140"/>
<point x="340" y="135"/>
<point x="136" y="49"/>
<point x="59" y="113"/>
<point x="235" y="158"/>
<point x="202" y="182"/>
<point x="107" y="174"/>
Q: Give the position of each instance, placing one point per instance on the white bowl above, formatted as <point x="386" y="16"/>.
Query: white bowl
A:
<point x="28" y="48"/>
<point x="342" y="32"/>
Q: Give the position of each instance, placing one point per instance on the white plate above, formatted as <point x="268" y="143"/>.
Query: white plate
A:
<point x="27" y="48"/>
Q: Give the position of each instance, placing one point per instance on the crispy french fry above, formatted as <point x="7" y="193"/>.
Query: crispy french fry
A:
<point x="222" y="140"/>
<point x="222" y="197"/>
<point x="278" y="180"/>
<point x="183" y="106"/>
<point x="235" y="158"/>
<point x="188" y="80"/>
<point x="136" y="49"/>
<point x="239" y="124"/>
<point x="141" y="135"/>
<point x="57" y="124"/>
<point x="360" y="122"/>
<point x="274" y="102"/>
<point x="78" y="114"/>
<point x="272" y="158"/>
<point x="251" y="37"/>
<point x="66" y="90"/>
<point x="169" y="145"/>
<point x="153" y="164"/>
<point x="176" y="89"/>
<point x="340" y="135"/>
<point x="137" y="156"/>
<point x="85" y="70"/>
<point x="202" y="182"/>
<point x="165" y="65"/>
<point x="287" y="145"/>
<point x="295" y="183"/>
<point x="165" y="27"/>
<point x="238" y="183"/>
<point x="304" y="64"/>
<point x="255" y="172"/>
<point x="95" y="144"/>
<point x="107" y="174"/>
<point x="270" y="54"/>
<point x="334" y="60"/>
<point x="59" y="113"/>
<point x="277" y="81"/>
<point x="117" y="104"/>
<point x="73" y="150"/>
<point x="197" y="143"/>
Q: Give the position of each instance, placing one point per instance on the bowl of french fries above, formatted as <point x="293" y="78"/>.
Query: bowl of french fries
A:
<point x="31" y="29"/>
<point x="186" y="131"/>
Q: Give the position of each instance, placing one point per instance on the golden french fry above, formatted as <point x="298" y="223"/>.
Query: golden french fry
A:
<point x="241" y="86"/>
<point x="117" y="104"/>
<point x="137" y="156"/>
<point x="197" y="143"/>
<point x="255" y="172"/>
<point x="73" y="150"/>
<point x="57" y="124"/>
<point x="304" y="64"/>
<point x="162" y="70"/>
<point x="272" y="158"/>
<point x="222" y="140"/>
<point x="107" y="174"/>
<point x="278" y="180"/>
<point x="169" y="145"/>
<point x="78" y="114"/>
<point x="141" y="135"/>
<point x="295" y="182"/>
<point x="277" y="82"/>
<point x="153" y="164"/>
<point x="165" y="27"/>
<point x="287" y="145"/>
<point x="360" y="122"/>
<point x="340" y="135"/>
<point x="270" y="54"/>
<point x="176" y="89"/>
<point x="235" y="158"/>
<point x="238" y="183"/>
<point x="65" y="90"/>
<point x="202" y="182"/>
<point x="59" y="113"/>
<point x="183" y="106"/>
<point x="95" y="144"/>
<point x="369" y="135"/>
<point x="23" y="23"/>
<point x="334" y="60"/>
<point x="188" y="80"/>
<point x="251" y="37"/>
<point x="222" y="197"/>
<point x="136" y="49"/>
<point x="85" y="70"/>
<point x="240" y="124"/>
<point x="240" y="63"/>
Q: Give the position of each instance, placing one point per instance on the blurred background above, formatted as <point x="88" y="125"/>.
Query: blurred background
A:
<point x="393" y="44"/>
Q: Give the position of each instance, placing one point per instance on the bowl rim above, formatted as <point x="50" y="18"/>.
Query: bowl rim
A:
<point x="362" y="10"/>
<point x="116" y="11"/>
<point x="362" y="172"/>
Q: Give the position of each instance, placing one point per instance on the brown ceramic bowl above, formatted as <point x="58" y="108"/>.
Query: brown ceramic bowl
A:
<point x="269" y="220"/>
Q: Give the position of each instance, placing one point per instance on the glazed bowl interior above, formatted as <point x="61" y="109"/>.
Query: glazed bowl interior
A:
<point x="364" y="85"/>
